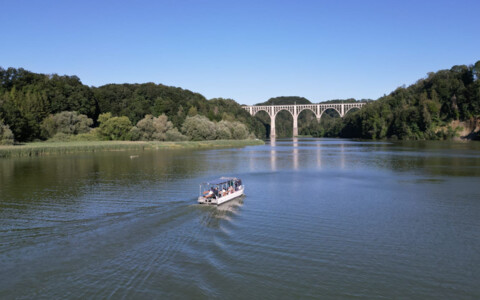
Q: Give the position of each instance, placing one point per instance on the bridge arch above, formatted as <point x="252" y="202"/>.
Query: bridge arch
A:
<point x="307" y="108"/>
<point x="332" y="108"/>
<point x="259" y="110"/>
<point x="351" y="109"/>
<point x="284" y="109"/>
<point x="307" y="120"/>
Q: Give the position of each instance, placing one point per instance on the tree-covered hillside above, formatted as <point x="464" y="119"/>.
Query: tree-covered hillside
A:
<point x="137" y="100"/>
<point x="28" y="99"/>
<point x="423" y="110"/>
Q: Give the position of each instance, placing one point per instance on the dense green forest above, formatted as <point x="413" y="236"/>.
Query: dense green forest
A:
<point x="424" y="110"/>
<point x="31" y="103"/>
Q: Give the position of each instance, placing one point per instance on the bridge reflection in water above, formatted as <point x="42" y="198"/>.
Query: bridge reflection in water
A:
<point x="295" y="153"/>
<point x="273" y="155"/>
<point x="319" y="156"/>
<point x="298" y="153"/>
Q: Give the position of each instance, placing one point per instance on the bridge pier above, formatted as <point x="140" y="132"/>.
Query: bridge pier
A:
<point x="295" y="121"/>
<point x="295" y="126"/>
<point x="272" y="126"/>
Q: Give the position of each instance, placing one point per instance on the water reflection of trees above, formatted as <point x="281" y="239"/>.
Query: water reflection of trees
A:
<point x="430" y="157"/>
<point x="431" y="165"/>
<point x="427" y="157"/>
<point x="66" y="176"/>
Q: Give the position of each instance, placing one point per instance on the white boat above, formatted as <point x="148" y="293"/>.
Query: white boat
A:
<point x="220" y="190"/>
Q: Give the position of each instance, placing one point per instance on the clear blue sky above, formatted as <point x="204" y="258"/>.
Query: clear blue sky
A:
<point x="245" y="50"/>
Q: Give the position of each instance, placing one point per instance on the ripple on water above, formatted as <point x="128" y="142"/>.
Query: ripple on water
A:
<point x="321" y="219"/>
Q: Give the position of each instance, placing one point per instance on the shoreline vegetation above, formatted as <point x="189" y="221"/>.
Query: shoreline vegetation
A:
<point x="53" y="148"/>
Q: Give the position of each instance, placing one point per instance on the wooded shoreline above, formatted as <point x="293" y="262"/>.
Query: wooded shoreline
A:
<point x="49" y="148"/>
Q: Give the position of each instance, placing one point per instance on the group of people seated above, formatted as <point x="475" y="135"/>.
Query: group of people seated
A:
<point x="223" y="192"/>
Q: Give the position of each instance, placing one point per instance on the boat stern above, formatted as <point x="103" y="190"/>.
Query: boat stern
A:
<point x="204" y="200"/>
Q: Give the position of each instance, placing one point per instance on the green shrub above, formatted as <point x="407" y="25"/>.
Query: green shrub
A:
<point x="199" y="128"/>
<point x="175" y="135"/>
<point x="155" y="129"/>
<point x="238" y="131"/>
<point x="86" y="137"/>
<point x="66" y="122"/>
<point x="6" y="135"/>
<point x="60" y="137"/>
<point x="114" y="128"/>
<point x="223" y="131"/>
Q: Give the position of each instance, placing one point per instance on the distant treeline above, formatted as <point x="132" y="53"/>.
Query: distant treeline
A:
<point x="28" y="100"/>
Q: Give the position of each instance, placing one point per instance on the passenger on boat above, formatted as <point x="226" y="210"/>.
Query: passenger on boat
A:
<point x="209" y="194"/>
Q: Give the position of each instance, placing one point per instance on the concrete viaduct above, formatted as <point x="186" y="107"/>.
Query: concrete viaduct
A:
<point x="296" y="109"/>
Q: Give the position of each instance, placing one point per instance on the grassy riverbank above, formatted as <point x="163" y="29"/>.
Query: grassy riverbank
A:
<point x="47" y="148"/>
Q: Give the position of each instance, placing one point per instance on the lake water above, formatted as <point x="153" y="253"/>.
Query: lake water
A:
<point x="322" y="218"/>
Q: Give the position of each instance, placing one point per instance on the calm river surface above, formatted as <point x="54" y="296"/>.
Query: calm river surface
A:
<point x="322" y="218"/>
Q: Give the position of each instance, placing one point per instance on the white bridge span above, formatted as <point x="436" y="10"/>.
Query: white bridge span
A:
<point x="296" y="109"/>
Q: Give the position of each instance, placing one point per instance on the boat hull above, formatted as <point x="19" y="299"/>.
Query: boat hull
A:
<point x="223" y="199"/>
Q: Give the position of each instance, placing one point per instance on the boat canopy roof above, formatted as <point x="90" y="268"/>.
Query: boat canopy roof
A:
<point x="220" y="180"/>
